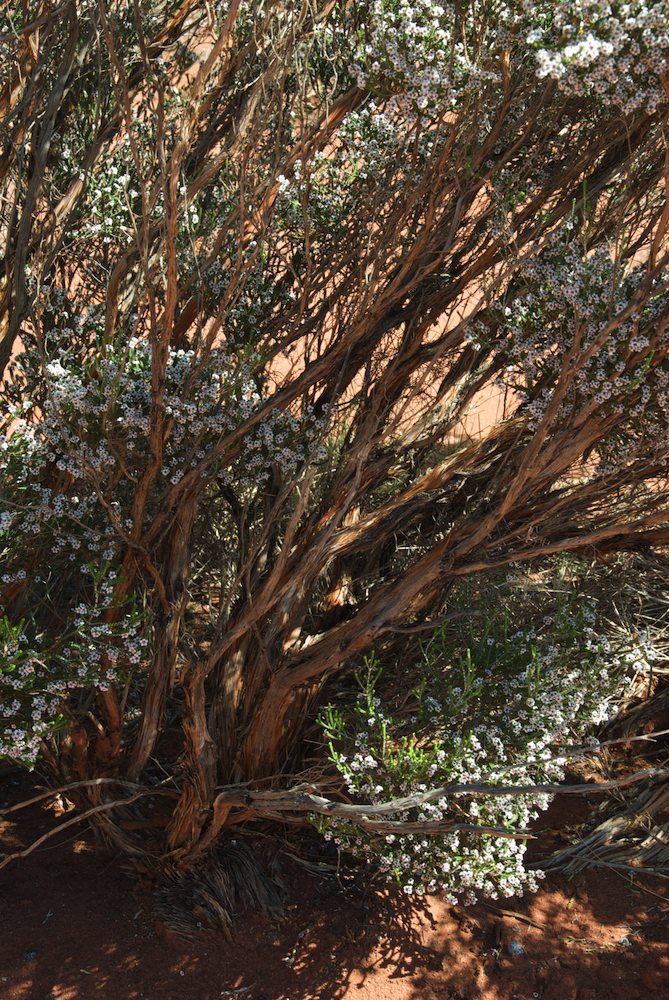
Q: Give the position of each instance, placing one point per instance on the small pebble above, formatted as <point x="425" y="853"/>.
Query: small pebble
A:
<point x="515" y="948"/>
<point x="625" y="942"/>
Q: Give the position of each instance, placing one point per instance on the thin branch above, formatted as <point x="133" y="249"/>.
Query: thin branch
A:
<point x="89" y="783"/>
<point x="103" y="807"/>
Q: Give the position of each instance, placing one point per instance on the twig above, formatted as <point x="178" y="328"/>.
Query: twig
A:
<point x="104" y="807"/>
<point x="91" y="783"/>
<point x="514" y="915"/>
<point x="436" y="622"/>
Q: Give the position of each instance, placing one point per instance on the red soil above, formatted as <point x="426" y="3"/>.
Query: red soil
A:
<point x="596" y="938"/>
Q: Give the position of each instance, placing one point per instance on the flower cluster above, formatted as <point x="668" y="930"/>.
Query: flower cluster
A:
<point x="113" y="197"/>
<point x="503" y="713"/>
<point x="376" y="155"/>
<point x="372" y="137"/>
<point x="578" y="309"/>
<point x="417" y="48"/>
<point x="93" y="431"/>
<point x="613" y="51"/>
<point x="436" y="53"/>
<point x="94" y="423"/>
<point x="70" y="458"/>
<point x="256" y="296"/>
<point x="40" y="673"/>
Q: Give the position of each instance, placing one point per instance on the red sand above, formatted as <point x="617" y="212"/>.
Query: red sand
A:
<point x="595" y="938"/>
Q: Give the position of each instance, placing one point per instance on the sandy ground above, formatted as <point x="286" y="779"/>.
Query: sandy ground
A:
<point x="75" y="927"/>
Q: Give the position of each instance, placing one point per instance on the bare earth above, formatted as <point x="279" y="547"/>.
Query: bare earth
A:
<point x="74" y="927"/>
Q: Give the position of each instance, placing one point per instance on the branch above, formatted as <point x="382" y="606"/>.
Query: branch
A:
<point x="362" y="814"/>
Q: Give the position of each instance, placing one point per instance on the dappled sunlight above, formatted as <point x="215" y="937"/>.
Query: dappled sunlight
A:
<point x="75" y="928"/>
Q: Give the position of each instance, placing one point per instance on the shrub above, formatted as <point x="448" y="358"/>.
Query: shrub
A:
<point x="262" y="264"/>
